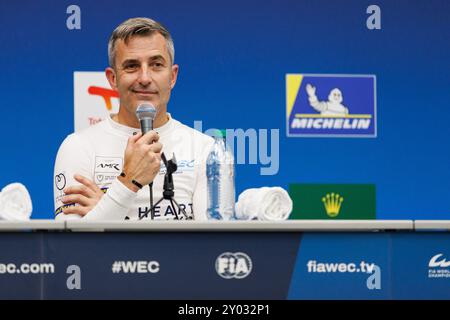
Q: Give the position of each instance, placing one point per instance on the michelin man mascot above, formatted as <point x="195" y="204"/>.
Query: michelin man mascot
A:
<point x="332" y="107"/>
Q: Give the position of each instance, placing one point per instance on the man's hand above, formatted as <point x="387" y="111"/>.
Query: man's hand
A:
<point x="142" y="159"/>
<point x="310" y="90"/>
<point x="86" y="195"/>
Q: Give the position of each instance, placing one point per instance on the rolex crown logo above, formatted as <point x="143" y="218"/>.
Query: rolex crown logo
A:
<point x="332" y="203"/>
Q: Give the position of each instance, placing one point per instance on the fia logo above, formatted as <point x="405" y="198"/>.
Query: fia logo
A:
<point x="233" y="265"/>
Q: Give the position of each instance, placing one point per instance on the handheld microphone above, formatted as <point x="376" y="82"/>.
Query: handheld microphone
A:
<point x="146" y="113"/>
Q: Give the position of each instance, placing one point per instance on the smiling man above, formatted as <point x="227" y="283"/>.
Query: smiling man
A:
<point x="100" y="171"/>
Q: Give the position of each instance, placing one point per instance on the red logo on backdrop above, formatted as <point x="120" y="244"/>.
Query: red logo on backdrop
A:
<point x="105" y="93"/>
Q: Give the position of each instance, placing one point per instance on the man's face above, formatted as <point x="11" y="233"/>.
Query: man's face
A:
<point x="143" y="72"/>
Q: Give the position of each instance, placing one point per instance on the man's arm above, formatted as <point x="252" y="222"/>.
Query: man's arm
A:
<point x="75" y="158"/>
<point x="72" y="158"/>
<point x="142" y="162"/>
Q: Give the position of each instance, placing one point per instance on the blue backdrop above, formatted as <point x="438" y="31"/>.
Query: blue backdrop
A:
<point x="233" y="58"/>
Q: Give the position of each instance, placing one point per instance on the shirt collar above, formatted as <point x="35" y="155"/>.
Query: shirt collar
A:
<point x="129" y="131"/>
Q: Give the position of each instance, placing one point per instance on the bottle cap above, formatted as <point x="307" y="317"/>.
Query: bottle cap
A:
<point x="220" y="133"/>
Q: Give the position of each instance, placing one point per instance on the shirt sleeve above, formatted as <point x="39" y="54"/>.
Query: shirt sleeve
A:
<point x="72" y="158"/>
<point x="114" y="205"/>
<point x="75" y="157"/>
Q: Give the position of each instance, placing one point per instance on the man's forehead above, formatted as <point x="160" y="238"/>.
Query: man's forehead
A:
<point x="142" y="45"/>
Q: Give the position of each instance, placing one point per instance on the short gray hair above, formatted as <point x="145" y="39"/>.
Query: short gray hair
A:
<point x="142" y="27"/>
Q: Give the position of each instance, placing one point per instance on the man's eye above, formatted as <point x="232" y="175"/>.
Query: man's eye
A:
<point x="131" y="66"/>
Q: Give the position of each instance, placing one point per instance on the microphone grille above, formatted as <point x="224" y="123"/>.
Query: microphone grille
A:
<point x="146" y="110"/>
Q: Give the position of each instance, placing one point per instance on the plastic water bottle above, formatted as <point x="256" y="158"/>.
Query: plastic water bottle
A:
<point x="220" y="180"/>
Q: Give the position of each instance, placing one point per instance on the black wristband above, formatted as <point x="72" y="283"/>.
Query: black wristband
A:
<point x="137" y="184"/>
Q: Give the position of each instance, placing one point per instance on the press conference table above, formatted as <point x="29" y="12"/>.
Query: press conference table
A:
<point x="313" y="259"/>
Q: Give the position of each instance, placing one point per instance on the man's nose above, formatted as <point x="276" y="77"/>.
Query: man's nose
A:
<point x="145" y="77"/>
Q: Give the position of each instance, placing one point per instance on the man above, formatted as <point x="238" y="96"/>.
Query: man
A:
<point x="103" y="172"/>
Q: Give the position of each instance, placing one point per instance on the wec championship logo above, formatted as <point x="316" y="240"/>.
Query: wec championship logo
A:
<point x="331" y="105"/>
<point x="439" y="267"/>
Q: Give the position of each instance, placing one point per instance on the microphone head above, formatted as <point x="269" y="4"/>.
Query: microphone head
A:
<point x="146" y="111"/>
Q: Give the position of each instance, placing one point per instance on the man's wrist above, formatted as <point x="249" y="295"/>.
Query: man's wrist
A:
<point x="127" y="183"/>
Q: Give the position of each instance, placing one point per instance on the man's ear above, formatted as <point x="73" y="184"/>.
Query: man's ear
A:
<point x="174" y="76"/>
<point x="111" y="76"/>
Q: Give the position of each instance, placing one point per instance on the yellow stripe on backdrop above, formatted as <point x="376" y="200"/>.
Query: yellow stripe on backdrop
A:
<point x="293" y="83"/>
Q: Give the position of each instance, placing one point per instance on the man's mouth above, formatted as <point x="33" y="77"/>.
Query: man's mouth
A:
<point x="144" y="92"/>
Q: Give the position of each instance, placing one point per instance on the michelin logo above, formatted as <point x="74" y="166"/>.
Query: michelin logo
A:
<point x="315" y="105"/>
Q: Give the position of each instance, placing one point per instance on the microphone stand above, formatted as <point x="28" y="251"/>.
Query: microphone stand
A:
<point x="168" y="193"/>
<point x="152" y="210"/>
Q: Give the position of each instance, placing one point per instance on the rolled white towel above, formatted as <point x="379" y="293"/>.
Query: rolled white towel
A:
<point x="266" y="203"/>
<point x="15" y="203"/>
